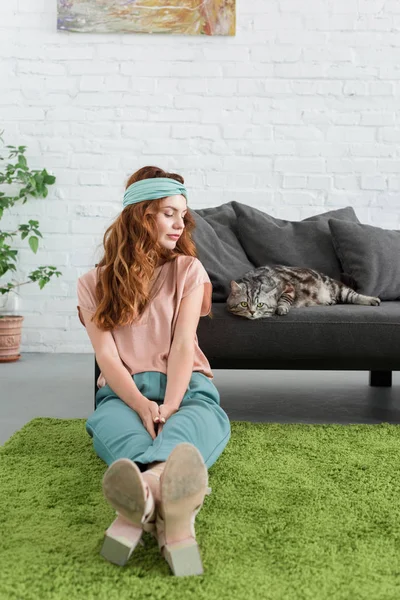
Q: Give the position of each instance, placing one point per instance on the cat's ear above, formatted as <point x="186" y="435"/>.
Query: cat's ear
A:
<point x="235" y="287"/>
<point x="268" y="289"/>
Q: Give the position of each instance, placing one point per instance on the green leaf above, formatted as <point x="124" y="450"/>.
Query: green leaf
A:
<point x="22" y="164"/>
<point x="34" y="243"/>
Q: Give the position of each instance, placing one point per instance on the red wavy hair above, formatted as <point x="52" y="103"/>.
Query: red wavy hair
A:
<point x="131" y="254"/>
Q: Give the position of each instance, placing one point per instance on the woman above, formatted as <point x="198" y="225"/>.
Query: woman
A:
<point x="158" y="422"/>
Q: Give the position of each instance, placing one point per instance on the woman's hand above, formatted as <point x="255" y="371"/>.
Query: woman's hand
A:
<point x="148" y="411"/>
<point x="164" y="414"/>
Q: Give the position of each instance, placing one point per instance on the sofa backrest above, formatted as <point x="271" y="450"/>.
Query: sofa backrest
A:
<point x="234" y="238"/>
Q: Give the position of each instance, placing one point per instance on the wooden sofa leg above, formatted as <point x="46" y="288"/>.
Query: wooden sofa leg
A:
<point x="380" y="378"/>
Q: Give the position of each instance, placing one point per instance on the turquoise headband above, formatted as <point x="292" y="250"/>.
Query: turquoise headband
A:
<point x="152" y="189"/>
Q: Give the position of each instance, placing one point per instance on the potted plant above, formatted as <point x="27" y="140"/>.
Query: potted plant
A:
<point x="18" y="182"/>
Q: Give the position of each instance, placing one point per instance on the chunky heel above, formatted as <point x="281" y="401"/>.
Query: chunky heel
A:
<point x="121" y="538"/>
<point x="184" y="558"/>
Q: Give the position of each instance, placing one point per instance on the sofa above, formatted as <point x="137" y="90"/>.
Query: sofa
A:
<point x="234" y="238"/>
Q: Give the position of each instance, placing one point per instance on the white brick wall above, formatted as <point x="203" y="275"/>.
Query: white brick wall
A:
<point x="296" y="114"/>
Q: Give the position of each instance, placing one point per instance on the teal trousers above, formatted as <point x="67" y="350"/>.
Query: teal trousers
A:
<point x="118" y="431"/>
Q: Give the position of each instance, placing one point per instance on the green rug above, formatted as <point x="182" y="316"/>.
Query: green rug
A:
<point x="296" y="512"/>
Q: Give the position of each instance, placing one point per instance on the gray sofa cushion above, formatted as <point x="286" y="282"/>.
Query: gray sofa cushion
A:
<point x="218" y="247"/>
<point x="364" y="337"/>
<point x="370" y="258"/>
<point x="268" y="240"/>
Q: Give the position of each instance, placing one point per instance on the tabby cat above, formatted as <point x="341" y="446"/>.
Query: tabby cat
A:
<point x="270" y="290"/>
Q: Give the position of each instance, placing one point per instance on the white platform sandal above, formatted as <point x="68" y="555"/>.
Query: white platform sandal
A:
<point x="127" y="492"/>
<point x="183" y="487"/>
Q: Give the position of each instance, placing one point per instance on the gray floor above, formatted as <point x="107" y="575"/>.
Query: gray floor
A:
<point x="61" y="385"/>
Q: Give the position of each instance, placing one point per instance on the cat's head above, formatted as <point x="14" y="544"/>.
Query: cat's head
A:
<point x="255" y="301"/>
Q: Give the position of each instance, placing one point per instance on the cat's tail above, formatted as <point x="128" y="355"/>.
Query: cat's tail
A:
<point x="347" y="295"/>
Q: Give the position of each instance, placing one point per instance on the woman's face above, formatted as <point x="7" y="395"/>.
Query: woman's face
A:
<point x="170" y="220"/>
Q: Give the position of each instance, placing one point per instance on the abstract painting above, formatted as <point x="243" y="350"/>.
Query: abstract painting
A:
<point x="190" y="17"/>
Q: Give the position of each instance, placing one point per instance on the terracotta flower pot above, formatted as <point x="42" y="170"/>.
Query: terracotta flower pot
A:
<point x="10" y="337"/>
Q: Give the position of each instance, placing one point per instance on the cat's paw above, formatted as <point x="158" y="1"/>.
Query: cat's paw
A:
<point x="374" y="301"/>
<point x="282" y="310"/>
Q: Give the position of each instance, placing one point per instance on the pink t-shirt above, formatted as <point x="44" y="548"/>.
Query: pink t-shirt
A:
<point x="145" y="345"/>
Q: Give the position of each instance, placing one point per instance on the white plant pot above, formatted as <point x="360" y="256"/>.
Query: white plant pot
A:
<point x="10" y="304"/>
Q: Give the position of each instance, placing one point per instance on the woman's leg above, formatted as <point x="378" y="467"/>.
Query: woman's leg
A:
<point x="116" y="429"/>
<point x="200" y="421"/>
<point x="152" y="477"/>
